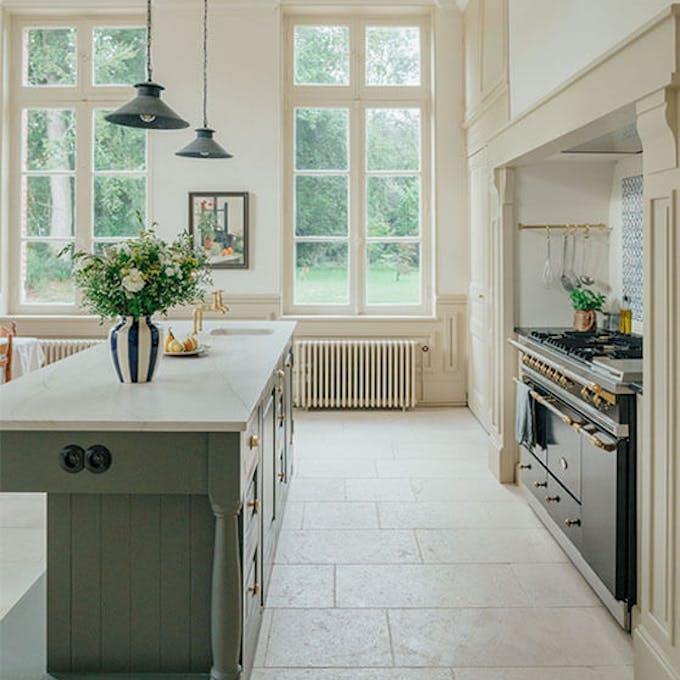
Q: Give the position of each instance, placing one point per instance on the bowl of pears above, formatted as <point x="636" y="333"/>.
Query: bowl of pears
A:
<point x="182" y="348"/>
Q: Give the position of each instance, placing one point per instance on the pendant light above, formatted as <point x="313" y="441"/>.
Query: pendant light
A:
<point x="147" y="110"/>
<point x="204" y="146"/>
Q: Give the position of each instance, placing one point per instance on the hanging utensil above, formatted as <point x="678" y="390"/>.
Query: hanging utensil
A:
<point x="548" y="274"/>
<point x="575" y="280"/>
<point x="565" y="280"/>
<point x="586" y="279"/>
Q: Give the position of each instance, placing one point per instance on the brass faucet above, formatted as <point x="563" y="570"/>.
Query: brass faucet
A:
<point x="216" y="305"/>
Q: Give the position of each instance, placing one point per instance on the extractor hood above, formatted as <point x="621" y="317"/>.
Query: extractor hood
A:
<point x="623" y="141"/>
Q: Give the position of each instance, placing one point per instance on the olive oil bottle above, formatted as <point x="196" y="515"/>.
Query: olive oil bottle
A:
<point x="626" y="318"/>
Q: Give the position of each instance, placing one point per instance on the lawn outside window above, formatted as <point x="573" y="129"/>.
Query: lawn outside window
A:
<point x="77" y="179"/>
<point x="357" y="165"/>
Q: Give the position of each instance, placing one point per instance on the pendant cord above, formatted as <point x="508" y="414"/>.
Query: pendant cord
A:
<point x="205" y="63"/>
<point x="148" y="42"/>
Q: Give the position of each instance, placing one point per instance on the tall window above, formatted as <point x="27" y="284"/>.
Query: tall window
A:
<point x="79" y="179"/>
<point x="358" y="166"/>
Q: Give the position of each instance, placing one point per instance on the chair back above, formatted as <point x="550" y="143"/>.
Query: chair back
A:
<point x="7" y="333"/>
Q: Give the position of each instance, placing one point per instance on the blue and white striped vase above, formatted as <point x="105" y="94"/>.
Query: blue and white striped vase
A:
<point x="135" y="344"/>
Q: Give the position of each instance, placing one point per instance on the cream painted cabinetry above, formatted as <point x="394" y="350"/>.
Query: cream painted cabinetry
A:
<point x="479" y="375"/>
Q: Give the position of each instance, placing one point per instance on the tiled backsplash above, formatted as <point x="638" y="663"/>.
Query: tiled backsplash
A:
<point x="632" y="265"/>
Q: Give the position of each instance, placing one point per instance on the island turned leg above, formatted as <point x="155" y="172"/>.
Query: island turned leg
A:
<point x="225" y="605"/>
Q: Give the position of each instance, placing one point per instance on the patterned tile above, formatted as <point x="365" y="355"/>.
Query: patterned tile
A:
<point x="632" y="265"/>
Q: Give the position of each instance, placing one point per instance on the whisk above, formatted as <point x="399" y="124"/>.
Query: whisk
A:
<point x="548" y="274"/>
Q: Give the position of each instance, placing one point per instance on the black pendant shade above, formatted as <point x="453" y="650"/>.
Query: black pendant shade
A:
<point x="147" y="110"/>
<point x="204" y="146"/>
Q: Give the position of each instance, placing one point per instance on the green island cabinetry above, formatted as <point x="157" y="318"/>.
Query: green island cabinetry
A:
<point x="164" y="501"/>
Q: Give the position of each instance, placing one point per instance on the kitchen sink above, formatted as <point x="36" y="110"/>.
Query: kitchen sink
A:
<point x="241" y="331"/>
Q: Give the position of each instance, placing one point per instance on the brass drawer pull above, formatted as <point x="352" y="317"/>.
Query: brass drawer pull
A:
<point x="281" y="475"/>
<point x="572" y="523"/>
<point x="524" y="466"/>
<point x="255" y="505"/>
<point x="538" y="485"/>
<point x="254" y="441"/>
<point x="281" y="373"/>
<point x="552" y="499"/>
<point x="254" y="590"/>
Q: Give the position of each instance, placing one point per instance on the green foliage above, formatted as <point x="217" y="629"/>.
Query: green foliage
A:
<point x="392" y="55"/>
<point x="50" y="139"/>
<point x="321" y="139"/>
<point x="141" y="276"/>
<point x="51" y="56"/>
<point x="321" y="55"/>
<point x="321" y="205"/>
<point x="119" y="55"/>
<point x="393" y="139"/>
<point x="117" y="147"/>
<point x="117" y="199"/>
<point x="585" y="299"/>
<point x="393" y="206"/>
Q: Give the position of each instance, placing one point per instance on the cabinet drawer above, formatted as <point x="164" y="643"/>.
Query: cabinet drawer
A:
<point x="252" y="614"/>
<point x="251" y="517"/>
<point x="532" y="473"/>
<point x="250" y="446"/>
<point x="564" y="454"/>
<point x="252" y="590"/>
<point x="565" y="511"/>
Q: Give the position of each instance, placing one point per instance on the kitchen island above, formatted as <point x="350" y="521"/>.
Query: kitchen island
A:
<point x="164" y="500"/>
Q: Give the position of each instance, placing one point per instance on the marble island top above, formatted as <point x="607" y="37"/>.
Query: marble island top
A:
<point x="214" y="392"/>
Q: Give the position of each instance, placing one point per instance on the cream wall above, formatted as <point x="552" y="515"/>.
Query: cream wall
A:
<point x="244" y="108"/>
<point x="551" y="40"/>
<point x="558" y="193"/>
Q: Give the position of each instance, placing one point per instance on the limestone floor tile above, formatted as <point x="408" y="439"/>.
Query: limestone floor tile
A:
<point x="464" y="514"/>
<point x="15" y="580"/>
<point x="22" y="545"/>
<point x="23" y="510"/>
<point x="292" y="517"/>
<point x="507" y="638"/>
<point x="340" y="516"/>
<point x="323" y="638"/>
<point x="395" y="489"/>
<point x="489" y="545"/>
<point x="301" y="585"/>
<point x="347" y="547"/>
<point x="429" y="585"/>
<point x="316" y="489"/>
<point x="582" y="673"/>
<point x="555" y="585"/>
<point x="454" y="448"/>
<point x="354" y="674"/>
<point x="335" y="468"/>
<point x="431" y="467"/>
<point x="482" y="488"/>
<point x="344" y="448"/>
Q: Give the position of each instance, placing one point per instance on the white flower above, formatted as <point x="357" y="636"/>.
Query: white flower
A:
<point x="124" y="248"/>
<point x="133" y="281"/>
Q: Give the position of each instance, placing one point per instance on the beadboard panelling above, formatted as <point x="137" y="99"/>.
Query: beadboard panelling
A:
<point x="108" y="584"/>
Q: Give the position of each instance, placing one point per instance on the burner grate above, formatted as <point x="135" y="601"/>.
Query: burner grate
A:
<point x="587" y="346"/>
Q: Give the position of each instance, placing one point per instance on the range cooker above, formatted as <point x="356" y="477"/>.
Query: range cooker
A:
<point x="580" y="470"/>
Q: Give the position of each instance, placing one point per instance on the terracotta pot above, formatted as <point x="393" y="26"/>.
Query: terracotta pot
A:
<point x="585" y="320"/>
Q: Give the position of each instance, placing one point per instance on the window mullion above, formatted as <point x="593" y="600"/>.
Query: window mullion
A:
<point x="84" y="177"/>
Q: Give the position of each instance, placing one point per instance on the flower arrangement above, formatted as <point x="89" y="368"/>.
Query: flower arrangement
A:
<point x="141" y="276"/>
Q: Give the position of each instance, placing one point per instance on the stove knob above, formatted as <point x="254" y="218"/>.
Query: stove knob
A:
<point x="563" y="380"/>
<point x="597" y="401"/>
<point x="585" y="395"/>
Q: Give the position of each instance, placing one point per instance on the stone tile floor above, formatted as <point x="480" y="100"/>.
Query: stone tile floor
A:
<point x="401" y="558"/>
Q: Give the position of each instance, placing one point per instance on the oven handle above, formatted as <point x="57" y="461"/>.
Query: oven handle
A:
<point x="543" y="401"/>
<point x="568" y="420"/>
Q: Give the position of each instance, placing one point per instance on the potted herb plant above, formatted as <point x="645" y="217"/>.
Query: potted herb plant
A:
<point x="133" y="280"/>
<point x="586" y="303"/>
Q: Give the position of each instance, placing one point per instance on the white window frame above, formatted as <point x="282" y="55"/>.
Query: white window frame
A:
<point x="357" y="98"/>
<point x="85" y="98"/>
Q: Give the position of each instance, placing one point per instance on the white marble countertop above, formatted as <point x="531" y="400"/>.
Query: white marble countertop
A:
<point x="214" y="392"/>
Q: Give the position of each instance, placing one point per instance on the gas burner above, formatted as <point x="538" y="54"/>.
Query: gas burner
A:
<point x="585" y="347"/>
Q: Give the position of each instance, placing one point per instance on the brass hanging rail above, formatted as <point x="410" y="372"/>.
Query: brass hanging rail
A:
<point x="562" y="226"/>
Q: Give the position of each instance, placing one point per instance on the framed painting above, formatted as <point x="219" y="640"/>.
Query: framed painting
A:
<point x="218" y="222"/>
